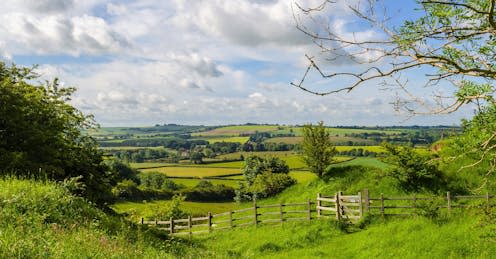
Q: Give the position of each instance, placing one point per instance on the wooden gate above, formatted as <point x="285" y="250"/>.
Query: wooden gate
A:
<point x="341" y="206"/>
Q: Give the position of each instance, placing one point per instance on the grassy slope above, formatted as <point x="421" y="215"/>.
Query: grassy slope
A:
<point x="41" y="220"/>
<point x="409" y="238"/>
<point x="414" y="237"/>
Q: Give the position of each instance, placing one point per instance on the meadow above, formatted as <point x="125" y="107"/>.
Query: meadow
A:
<point x="199" y="172"/>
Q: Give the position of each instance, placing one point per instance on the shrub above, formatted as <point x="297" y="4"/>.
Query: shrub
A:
<point x="269" y="184"/>
<point x="126" y="189"/>
<point x="213" y="193"/>
<point x="413" y="171"/>
<point x="158" y="181"/>
<point x="172" y="210"/>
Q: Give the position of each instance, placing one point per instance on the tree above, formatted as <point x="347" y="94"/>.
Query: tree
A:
<point x="317" y="148"/>
<point x="414" y="171"/>
<point x="456" y="39"/>
<point x="264" y="177"/>
<point x="41" y="134"/>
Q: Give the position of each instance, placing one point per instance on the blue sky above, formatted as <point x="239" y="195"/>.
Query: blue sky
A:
<point x="143" y="62"/>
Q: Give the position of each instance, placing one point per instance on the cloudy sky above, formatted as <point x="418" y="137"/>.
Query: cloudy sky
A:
<point x="143" y="62"/>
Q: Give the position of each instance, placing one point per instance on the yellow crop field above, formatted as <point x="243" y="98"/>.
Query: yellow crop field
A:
<point x="199" y="172"/>
<point x="241" y="140"/>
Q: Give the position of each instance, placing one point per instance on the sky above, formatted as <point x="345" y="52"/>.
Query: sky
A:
<point x="147" y="62"/>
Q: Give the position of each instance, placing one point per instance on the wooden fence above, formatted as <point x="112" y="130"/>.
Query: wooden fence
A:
<point x="258" y="214"/>
<point x="405" y="206"/>
<point x="339" y="206"/>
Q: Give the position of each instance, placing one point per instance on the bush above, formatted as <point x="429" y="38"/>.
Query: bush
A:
<point x="264" y="177"/>
<point x="158" y="181"/>
<point x="269" y="184"/>
<point x="209" y="193"/>
<point x="413" y="171"/>
<point x="172" y="210"/>
<point x="126" y="189"/>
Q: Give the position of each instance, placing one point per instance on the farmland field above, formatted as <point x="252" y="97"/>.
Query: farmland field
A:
<point x="199" y="172"/>
<point x="334" y="139"/>
<point x="237" y="130"/>
<point x="364" y="161"/>
<point x="194" y="182"/>
<point x="149" y="208"/>
<point x="226" y="139"/>
<point x="376" y="149"/>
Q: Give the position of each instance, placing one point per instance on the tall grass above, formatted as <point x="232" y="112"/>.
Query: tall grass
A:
<point x="42" y="220"/>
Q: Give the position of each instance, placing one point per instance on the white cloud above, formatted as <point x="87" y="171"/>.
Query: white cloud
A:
<point x="56" y="34"/>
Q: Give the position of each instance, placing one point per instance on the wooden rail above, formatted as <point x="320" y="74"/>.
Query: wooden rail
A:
<point x="338" y="206"/>
<point x="257" y="214"/>
<point x="405" y="205"/>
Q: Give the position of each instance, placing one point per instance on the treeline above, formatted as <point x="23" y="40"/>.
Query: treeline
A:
<point x="154" y="185"/>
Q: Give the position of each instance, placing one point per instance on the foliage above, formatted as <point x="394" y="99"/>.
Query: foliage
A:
<point x="43" y="220"/>
<point x="40" y="134"/>
<point x="123" y="171"/>
<point x="172" y="209"/>
<point x="255" y="165"/>
<point x="317" y="148"/>
<point x="203" y="193"/>
<point x="158" y="181"/>
<point x="264" y="177"/>
<point x="414" y="172"/>
<point x="269" y="184"/>
<point x="126" y="189"/>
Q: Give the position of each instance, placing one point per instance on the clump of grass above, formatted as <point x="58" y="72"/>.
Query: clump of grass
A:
<point x="42" y="220"/>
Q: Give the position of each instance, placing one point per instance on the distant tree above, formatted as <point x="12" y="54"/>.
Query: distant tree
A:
<point x="196" y="157"/>
<point x="317" y="148"/>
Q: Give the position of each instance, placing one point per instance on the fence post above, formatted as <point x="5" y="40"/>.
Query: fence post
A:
<point x="338" y="207"/>
<point x="318" y="204"/>
<point x="255" y="220"/>
<point x="171" y="225"/>
<point x="142" y="221"/>
<point x="361" y="204"/>
<point x="209" y="221"/>
<point x="414" y="200"/>
<point x="231" y="219"/>
<point x="367" y="200"/>
<point x="309" y="209"/>
<point x="189" y="226"/>
<point x="448" y="198"/>
<point x="281" y="213"/>
<point x="382" y="204"/>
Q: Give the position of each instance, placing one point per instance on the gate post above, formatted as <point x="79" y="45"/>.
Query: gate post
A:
<point x="338" y="206"/>
<point x="360" y="209"/>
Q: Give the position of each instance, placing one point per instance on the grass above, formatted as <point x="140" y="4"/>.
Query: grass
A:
<point x="199" y="172"/>
<point x="147" y="209"/>
<point x="237" y="130"/>
<point x="146" y="165"/>
<point x="194" y="182"/>
<point x="364" y="161"/>
<point x="227" y="139"/>
<point x="408" y="238"/>
<point x="42" y="220"/>
<point x="377" y="149"/>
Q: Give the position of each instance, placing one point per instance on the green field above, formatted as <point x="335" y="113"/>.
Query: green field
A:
<point x="194" y="182"/>
<point x="147" y="209"/>
<point x="240" y="140"/>
<point x="364" y="161"/>
<point x="237" y="130"/>
<point x="376" y="149"/>
<point x="199" y="172"/>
